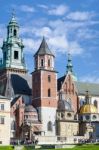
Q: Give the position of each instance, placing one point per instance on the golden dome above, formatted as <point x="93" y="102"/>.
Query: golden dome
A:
<point x="88" y="108"/>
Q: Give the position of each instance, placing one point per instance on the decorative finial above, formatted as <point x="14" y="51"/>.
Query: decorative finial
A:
<point x="69" y="63"/>
<point x="87" y="97"/>
<point x="13" y="13"/>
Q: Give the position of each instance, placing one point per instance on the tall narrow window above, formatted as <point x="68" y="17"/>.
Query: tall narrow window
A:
<point x="49" y="78"/>
<point x="48" y="62"/>
<point x="4" y="55"/>
<point x="49" y="93"/>
<point x="13" y="127"/>
<point x="8" y="31"/>
<point x="95" y="104"/>
<point x="15" y="54"/>
<point x="1" y="120"/>
<point x="42" y="62"/>
<point x="15" y="32"/>
<point x="2" y="107"/>
<point x="49" y="126"/>
<point x="73" y="88"/>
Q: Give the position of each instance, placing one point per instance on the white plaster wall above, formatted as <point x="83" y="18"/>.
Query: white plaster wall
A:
<point x="47" y="114"/>
<point x="5" y="128"/>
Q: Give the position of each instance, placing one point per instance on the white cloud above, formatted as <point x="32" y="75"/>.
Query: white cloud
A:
<point x="75" y="48"/>
<point x="80" y="16"/>
<point x="27" y="8"/>
<point x="31" y="45"/>
<point x="90" y="78"/>
<point x="59" y="43"/>
<point x="58" y="10"/>
<point x="57" y="37"/>
<point x="43" y="6"/>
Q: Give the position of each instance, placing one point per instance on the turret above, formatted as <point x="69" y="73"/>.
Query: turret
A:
<point x="44" y="58"/>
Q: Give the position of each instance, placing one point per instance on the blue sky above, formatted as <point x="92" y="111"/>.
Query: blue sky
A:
<point x="68" y="25"/>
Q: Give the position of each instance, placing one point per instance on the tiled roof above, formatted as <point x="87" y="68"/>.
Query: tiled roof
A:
<point x="43" y="49"/>
<point x="21" y="84"/>
<point x="82" y="87"/>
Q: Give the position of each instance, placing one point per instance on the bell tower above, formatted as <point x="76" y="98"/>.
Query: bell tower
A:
<point x="12" y="62"/>
<point x="12" y="49"/>
<point x="44" y="88"/>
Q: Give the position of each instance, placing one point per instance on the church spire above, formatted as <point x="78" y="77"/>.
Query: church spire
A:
<point x="43" y="49"/>
<point x="44" y="58"/>
<point x="70" y="67"/>
<point x="69" y="64"/>
<point x="12" y="48"/>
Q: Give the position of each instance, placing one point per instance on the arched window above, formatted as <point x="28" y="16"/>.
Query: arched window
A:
<point x="96" y="103"/>
<point x="13" y="125"/>
<point x="42" y="62"/>
<point x="69" y="103"/>
<point x="48" y="62"/>
<point x="16" y="54"/>
<point x="73" y="88"/>
<point x="49" y="126"/>
<point x="66" y="87"/>
<point x="15" y="32"/>
<point x="49" y="78"/>
<point x="49" y="93"/>
<point x="4" y="55"/>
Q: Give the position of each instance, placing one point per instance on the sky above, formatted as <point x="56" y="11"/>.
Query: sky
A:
<point x="67" y="25"/>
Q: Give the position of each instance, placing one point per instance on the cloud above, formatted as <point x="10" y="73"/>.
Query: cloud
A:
<point x="58" y="10"/>
<point x="80" y="16"/>
<point x="31" y="45"/>
<point x="90" y="78"/>
<point x="65" y="46"/>
<point x="27" y="8"/>
<point x="57" y="41"/>
<point x="42" y="6"/>
<point x="62" y="35"/>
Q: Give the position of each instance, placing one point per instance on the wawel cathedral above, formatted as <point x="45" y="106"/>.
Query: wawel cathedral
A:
<point x="42" y="105"/>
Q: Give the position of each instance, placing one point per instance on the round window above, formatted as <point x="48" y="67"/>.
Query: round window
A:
<point x="87" y="117"/>
<point x="69" y="114"/>
<point x="94" y="117"/>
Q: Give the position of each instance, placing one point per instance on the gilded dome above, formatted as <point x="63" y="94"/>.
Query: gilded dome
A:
<point x="88" y="108"/>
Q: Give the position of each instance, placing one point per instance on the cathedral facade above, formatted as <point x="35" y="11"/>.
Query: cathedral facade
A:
<point x="41" y="104"/>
